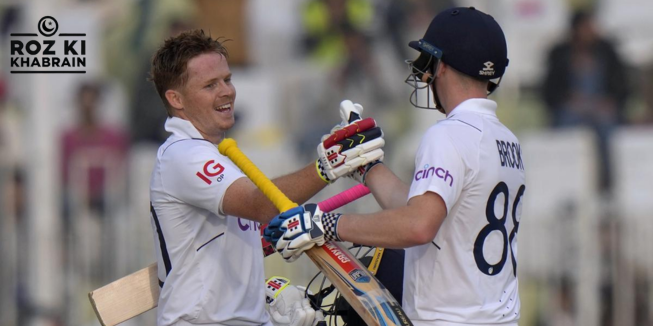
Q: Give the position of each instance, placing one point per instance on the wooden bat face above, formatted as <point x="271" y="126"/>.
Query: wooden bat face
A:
<point x="127" y="297"/>
<point x="358" y="286"/>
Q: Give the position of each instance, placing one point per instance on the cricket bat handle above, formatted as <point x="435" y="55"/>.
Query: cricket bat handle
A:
<point x="229" y="148"/>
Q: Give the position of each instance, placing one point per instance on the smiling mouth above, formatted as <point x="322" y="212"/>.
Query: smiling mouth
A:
<point x="224" y="108"/>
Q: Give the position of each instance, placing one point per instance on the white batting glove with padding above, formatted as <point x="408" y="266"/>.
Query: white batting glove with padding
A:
<point x="301" y="228"/>
<point x="288" y="305"/>
<point x="355" y="144"/>
<point x="349" y="112"/>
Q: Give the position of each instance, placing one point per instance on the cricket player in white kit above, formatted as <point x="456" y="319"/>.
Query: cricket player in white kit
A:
<point x="206" y="214"/>
<point x="460" y="215"/>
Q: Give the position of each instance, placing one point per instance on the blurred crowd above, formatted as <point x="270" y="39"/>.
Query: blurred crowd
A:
<point x="105" y="125"/>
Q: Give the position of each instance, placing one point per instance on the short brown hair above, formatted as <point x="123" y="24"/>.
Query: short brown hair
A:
<point x="170" y="61"/>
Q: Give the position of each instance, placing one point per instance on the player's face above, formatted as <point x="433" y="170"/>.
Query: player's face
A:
<point x="208" y="96"/>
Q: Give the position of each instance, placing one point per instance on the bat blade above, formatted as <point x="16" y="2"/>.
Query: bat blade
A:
<point x="371" y="300"/>
<point x="127" y="297"/>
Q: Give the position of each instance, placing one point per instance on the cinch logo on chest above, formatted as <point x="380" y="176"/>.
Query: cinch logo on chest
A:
<point x="510" y="154"/>
<point x="246" y="225"/>
<point x="441" y="173"/>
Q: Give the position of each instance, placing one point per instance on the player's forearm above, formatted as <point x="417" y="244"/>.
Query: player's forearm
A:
<point x="244" y="199"/>
<point x="381" y="229"/>
<point x="407" y="226"/>
<point x="388" y="190"/>
<point x="301" y="185"/>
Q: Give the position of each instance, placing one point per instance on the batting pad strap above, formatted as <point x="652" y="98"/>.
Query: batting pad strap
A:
<point x="330" y="224"/>
<point x="320" y="171"/>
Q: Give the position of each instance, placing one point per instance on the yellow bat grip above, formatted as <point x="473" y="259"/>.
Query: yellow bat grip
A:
<point x="229" y="148"/>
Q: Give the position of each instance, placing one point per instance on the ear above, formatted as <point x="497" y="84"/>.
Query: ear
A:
<point x="440" y="68"/>
<point x="174" y="98"/>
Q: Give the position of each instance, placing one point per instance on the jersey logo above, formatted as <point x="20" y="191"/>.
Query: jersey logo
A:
<point x="441" y="173"/>
<point x="245" y="224"/>
<point x="211" y="171"/>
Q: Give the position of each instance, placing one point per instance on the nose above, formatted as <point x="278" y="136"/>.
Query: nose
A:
<point x="226" y="89"/>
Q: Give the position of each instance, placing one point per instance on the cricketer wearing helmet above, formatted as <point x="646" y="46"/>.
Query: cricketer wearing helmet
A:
<point x="460" y="214"/>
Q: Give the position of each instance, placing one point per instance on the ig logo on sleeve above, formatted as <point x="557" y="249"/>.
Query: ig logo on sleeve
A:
<point x="211" y="170"/>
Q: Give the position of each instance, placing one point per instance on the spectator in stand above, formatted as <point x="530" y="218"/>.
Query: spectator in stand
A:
<point x="92" y="148"/>
<point x="338" y="34"/>
<point x="586" y="85"/>
<point x="645" y="88"/>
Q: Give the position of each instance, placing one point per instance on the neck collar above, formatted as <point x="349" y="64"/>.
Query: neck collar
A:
<point x="476" y="105"/>
<point x="182" y="128"/>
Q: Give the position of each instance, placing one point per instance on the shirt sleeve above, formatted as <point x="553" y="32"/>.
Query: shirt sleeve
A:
<point x="439" y="168"/>
<point x="198" y="175"/>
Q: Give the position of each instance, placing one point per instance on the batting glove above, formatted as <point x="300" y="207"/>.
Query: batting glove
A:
<point x="349" y="113"/>
<point x="299" y="229"/>
<point x="288" y="305"/>
<point x="342" y="152"/>
<point x="351" y="144"/>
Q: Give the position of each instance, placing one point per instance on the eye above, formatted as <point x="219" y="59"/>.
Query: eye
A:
<point x="211" y="85"/>
<point x="228" y="80"/>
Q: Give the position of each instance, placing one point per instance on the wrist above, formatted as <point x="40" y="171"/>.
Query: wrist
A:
<point x="330" y="225"/>
<point x="368" y="169"/>
<point x="321" y="173"/>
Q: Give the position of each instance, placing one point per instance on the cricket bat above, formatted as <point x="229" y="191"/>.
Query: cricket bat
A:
<point x="138" y="292"/>
<point x="371" y="300"/>
<point x="127" y="297"/>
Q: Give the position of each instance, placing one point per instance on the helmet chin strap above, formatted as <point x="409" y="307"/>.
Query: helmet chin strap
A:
<point x="436" y="98"/>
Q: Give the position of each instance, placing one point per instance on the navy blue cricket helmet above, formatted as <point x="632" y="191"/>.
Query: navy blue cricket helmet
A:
<point x="466" y="39"/>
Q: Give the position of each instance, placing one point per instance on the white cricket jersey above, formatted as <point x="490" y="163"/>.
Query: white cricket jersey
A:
<point x="467" y="274"/>
<point x="210" y="265"/>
